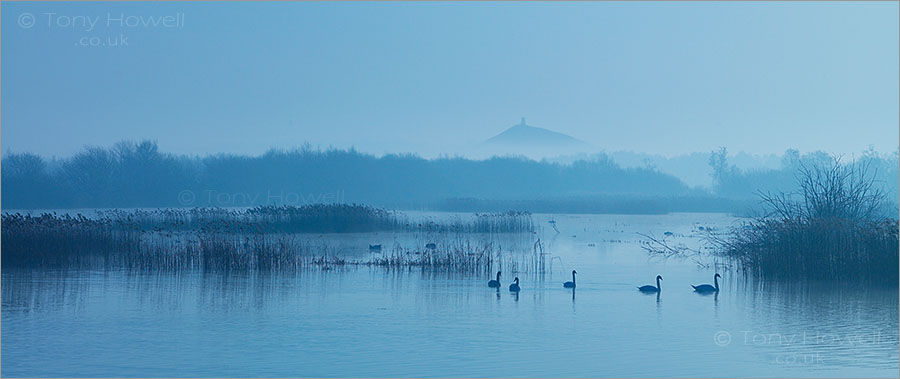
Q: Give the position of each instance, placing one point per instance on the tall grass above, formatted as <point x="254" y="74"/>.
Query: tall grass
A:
<point x="463" y="256"/>
<point x="219" y="251"/>
<point x="818" y="249"/>
<point x="262" y="238"/>
<point x="317" y="218"/>
<point x="496" y="222"/>
<point x="52" y="240"/>
<point x="833" y="228"/>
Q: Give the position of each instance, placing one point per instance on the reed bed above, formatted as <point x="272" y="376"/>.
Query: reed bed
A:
<point x="461" y="256"/>
<point x="262" y="238"/>
<point x="495" y="222"/>
<point x="51" y="240"/>
<point x="317" y="218"/>
<point x="220" y="251"/>
<point x="835" y="227"/>
<point x="817" y="249"/>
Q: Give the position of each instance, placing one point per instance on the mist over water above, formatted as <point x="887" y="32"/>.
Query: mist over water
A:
<point x="324" y="189"/>
<point x="139" y="174"/>
<point x="356" y="321"/>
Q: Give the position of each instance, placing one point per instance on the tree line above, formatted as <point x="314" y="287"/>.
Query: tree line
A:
<point x="882" y="170"/>
<point x="138" y="174"/>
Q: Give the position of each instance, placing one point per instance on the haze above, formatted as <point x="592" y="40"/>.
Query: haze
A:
<point x="438" y="78"/>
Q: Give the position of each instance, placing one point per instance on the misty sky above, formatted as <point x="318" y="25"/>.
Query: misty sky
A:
<point x="441" y="77"/>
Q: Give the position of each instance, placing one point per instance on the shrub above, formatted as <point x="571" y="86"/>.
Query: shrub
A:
<point x="832" y="228"/>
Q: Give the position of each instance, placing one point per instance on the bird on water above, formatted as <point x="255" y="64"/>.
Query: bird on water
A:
<point x="651" y="289"/>
<point x="572" y="283"/>
<point x="515" y="286"/>
<point x="495" y="283"/>
<point x="706" y="288"/>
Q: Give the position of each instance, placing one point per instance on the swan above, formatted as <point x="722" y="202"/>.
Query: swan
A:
<point x="708" y="288"/>
<point x="572" y="283"/>
<point x="515" y="286"/>
<point x="651" y="289"/>
<point x="495" y="283"/>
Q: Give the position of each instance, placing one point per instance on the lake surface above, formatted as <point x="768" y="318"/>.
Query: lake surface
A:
<point x="377" y="322"/>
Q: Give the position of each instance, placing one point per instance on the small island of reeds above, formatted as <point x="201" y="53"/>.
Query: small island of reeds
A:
<point x="837" y="225"/>
<point x="265" y="237"/>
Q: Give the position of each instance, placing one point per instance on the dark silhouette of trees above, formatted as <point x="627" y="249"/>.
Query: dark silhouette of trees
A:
<point x="729" y="181"/>
<point x="139" y="175"/>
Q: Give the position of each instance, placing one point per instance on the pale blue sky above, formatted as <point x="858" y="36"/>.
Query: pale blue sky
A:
<point x="439" y="77"/>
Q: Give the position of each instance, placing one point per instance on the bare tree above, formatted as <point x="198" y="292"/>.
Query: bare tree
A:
<point x="829" y="191"/>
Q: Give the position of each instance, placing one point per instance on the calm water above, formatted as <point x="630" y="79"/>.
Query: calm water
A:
<point x="374" y="322"/>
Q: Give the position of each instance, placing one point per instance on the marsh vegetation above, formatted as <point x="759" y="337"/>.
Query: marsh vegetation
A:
<point x="268" y="237"/>
<point x="838" y="225"/>
<point x="834" y="227"/>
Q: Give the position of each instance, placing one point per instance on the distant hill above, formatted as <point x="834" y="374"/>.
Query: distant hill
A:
<point x="534" y="142"/>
